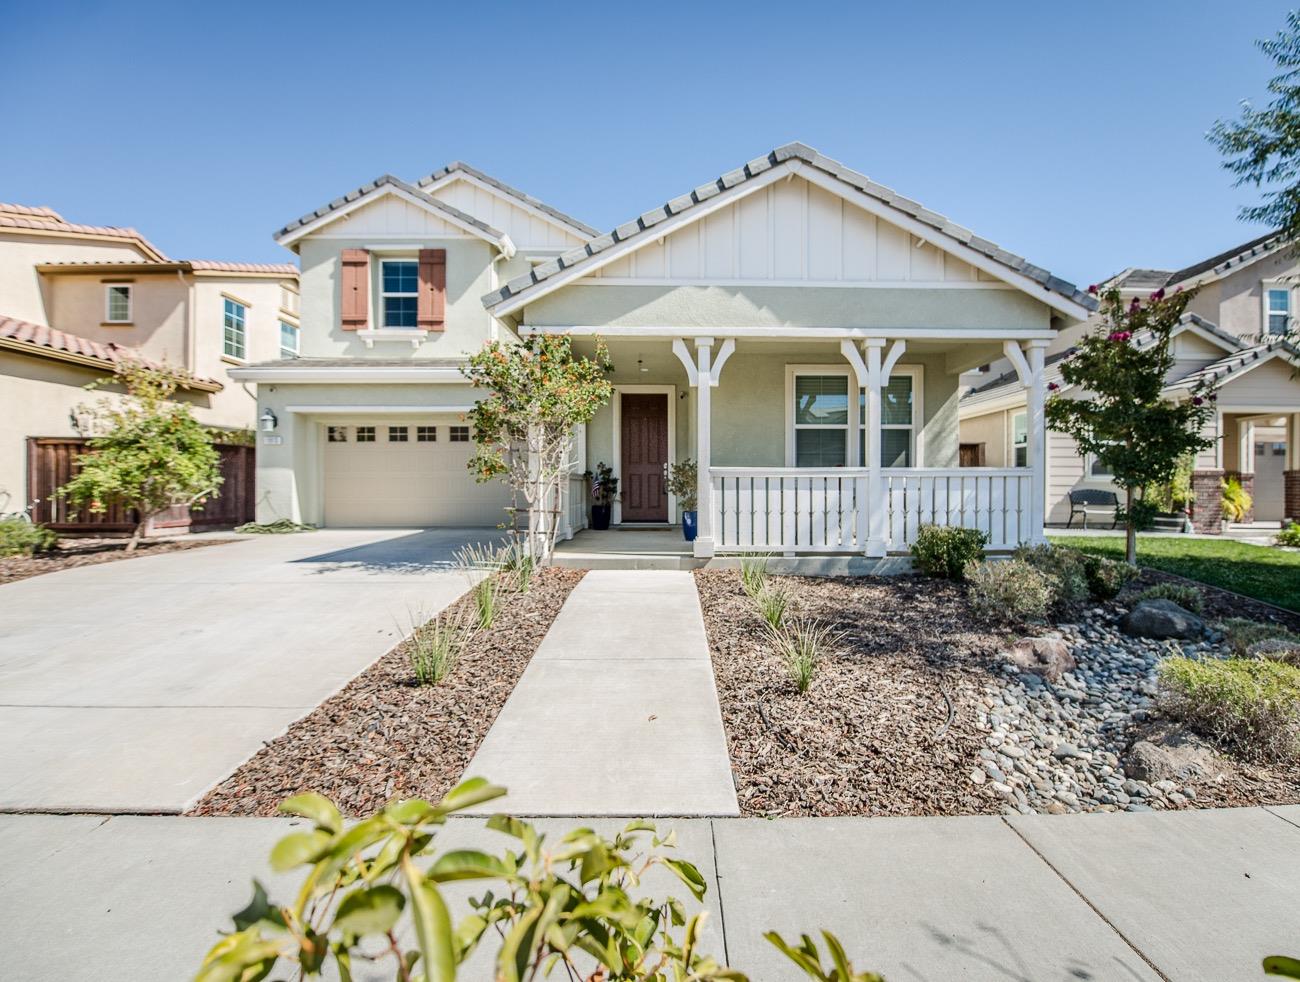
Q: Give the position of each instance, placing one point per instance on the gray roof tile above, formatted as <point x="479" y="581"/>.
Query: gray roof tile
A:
<point x="464" y="168"/>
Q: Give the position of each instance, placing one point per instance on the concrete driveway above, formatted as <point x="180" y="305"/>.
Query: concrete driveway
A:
<point x="135" y="686"/>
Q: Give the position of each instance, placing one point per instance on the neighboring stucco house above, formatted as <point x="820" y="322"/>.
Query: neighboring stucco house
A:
<point x="793" y="326"/>
<point x="76" y="299"/>
<point x="1231" y="335"/>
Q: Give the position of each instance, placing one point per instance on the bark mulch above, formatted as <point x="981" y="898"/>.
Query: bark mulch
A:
<point x="71" y="553"/>
<point x="873" y="735"/>
<point x="383" y="736"/>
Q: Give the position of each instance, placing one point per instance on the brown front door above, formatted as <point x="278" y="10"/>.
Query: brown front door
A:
<point x="644" y="435"/>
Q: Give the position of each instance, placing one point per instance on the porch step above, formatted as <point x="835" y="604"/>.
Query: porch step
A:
<point x="608" y="560"/>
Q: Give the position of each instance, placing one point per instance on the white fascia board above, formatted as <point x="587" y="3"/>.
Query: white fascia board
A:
<point x="793" y="333"/>
<point x="378" y="375"/>
<point x="361" y="410"/>
<point x="519" y="203"/>
<point x="653" y="234"/>
<point x="946" y="242"/>
<point x="427" y="202"/>
<point x="1191" y="327"/>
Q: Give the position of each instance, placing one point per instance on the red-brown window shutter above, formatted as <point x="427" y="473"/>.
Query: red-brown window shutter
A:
<point x="354" y="305"/>
<point x="433" y="289"/>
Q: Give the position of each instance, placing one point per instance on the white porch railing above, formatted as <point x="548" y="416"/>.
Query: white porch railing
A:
<point x="795" y="509"/>
<point x="573" y="511"/>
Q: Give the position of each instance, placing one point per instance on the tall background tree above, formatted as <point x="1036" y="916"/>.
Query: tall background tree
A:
<point x="146" y="453"/>
<point x="1120" y="414"/>
<point x="1262" y="147"/>
<point x="538" y="393"/>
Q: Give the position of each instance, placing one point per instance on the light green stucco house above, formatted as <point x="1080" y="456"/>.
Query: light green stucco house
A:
<point x="793" y="326"/>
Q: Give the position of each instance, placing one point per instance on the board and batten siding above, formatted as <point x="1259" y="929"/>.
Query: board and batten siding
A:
<point x="793" y="231"/>
<point x="526" y="229"/>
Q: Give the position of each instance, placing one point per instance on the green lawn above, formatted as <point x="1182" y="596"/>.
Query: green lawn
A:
<point x="1257" y="571"/>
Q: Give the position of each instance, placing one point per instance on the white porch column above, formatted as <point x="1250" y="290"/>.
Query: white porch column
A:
<point x="876" y="505"/>
<point x="704" y="543"/>
<point x="1245" y="446"/>
<point x="1037" y="441"/>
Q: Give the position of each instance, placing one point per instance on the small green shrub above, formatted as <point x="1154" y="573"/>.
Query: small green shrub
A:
<point x="19" y="537"/>
<point x="1106" y="578"/>
<point x="1008" y="592"/>
<point x="281" y="526"/>
<point x="1289" y="536"/>
<point x="753" y="572"/>
<point x="1240" y="633"/>
<point x="483" y="565"/>
<point x="1064" y="569"/>
<point x="434" y="647"/>
<point x="945" y="550"/>
<point x="801" y="644"/>
<point x="1184" y="594"/>
<point x="1236" y="501"/>
<point x="1247" y="705"/>
<point x="772" y="602"/>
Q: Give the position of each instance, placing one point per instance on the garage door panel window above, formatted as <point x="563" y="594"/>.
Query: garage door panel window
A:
<point x="397" y="434"/>
<point x="365" y="434"/>
<point x="337" y="434"/>
<point x="460" y="434"/>
<point x="426" y="434"/>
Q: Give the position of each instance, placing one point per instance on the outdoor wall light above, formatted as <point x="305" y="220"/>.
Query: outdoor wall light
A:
<point x="268" y="421"/>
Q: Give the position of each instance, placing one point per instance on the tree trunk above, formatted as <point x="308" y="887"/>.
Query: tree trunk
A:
<point x="1130" y="530"/>
<point x="137" y="533"/>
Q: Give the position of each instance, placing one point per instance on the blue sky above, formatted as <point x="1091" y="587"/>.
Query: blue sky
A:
<point x="1076" y="142"/>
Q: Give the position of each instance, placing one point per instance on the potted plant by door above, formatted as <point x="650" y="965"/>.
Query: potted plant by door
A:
<point x="604" y="489"/>
<point x="683" y="485"/>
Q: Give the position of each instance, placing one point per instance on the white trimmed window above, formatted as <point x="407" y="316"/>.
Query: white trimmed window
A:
<point x="1277" y="309"/>
<point x="399" y="299"/>
<point x="288" y="340"/>
<point x="1098" y="470"/>
<point x="1020" y="440"/>
<point x="234" y="336"/>
<point x="899" y="400"/>
<point x="117" y="303"/>
<point x="819" y="414"/>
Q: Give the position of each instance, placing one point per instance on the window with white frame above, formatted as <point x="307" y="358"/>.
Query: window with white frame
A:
<point x="234" y="338"/>
<point x="1020" y="440"/>
<point x="820" y="419"/>
<point x="1096" y="468"/>
<point x="1277" y="309"/>
<point x="288" y="339"/>
<point x="897" y="420"/>
<point x="117" y="303"/>
<point x="399" y="284"/>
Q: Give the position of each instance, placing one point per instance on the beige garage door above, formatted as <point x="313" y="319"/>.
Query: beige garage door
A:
<point x="405" y="472"/>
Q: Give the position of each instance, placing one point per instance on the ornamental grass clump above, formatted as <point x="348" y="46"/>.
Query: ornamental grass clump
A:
<point x="1184" y="594"/>
<point x="483" y="565"/>
<point x="801" y="643"/>
<point x="946" y="550"/>
<point x="772" y="601"/>
<point x="519" y="565"/>
<point x="1008" y="593"/>
<point x="753" y="572"/>
<point x="434" y="647"/>
<point x="1246" y="705"/>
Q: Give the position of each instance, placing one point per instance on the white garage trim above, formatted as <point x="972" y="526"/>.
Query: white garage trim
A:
<point x="376" y="410"/>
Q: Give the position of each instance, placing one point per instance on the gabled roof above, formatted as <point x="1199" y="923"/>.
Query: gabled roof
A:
<point x="41" y="340"/>
<point x="167" y="266"/>
<point x="1139" y="279"/>
<point x="997" y="387"/>
<point x="1212" y="268"/>
<point x="37" y="218"/>
<point x="388" y="184"/>
<point x="1235" y="365"/>
<point x="460" y="167"/>
<point x="605" y="248"/>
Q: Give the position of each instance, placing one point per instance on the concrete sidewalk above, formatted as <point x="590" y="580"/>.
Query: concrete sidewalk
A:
<point x="617" y="713"/>
<point x="1183" y="897"/>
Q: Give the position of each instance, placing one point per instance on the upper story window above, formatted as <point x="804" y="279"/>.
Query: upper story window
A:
<point x="117" y="303"/>
<point x="288" y="340"/>
<point x="234" y="334"/>
<point x="400" y="297"/>
<point x="1277" y="309"/>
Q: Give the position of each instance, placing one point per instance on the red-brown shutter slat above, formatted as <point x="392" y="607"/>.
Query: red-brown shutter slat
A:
<point x="354" y="298"/>
<point x="433" y="289"/>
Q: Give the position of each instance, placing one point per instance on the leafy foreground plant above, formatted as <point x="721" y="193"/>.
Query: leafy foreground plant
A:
<point x="370" y="886"/>
<point x="1281" y="965"/>
<point x="483" y="565"/>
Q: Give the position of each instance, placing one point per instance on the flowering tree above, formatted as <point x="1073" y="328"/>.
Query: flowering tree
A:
<point x="147" y="453"/>
<point x="539" y="393"/>
<point x="1122" y="417"/>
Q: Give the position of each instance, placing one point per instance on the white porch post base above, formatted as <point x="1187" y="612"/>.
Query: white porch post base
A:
<point x="703" y="548"/>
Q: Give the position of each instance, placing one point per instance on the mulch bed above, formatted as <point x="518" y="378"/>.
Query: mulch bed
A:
<point x="71" y="553"/>
<point x="383" y="736"/>
<point x="1220" y="603"/>
<point x="871" y="736"/>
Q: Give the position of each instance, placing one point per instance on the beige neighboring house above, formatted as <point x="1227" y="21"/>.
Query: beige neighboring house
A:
<point x="793" y="326"/>
<point x="1232" y="336"/>
<point x="76" y="299"/>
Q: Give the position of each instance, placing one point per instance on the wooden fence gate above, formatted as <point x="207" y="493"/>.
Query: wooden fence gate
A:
<point x="51" y="463"/>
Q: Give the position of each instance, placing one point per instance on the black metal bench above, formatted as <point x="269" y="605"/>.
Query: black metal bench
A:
<point x="1084" y="498"/>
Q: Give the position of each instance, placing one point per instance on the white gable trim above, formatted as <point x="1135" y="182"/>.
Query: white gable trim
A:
<point x="1233" y="374"/>
<point x="813" y="175"/>
<point x="431" y="205"/>
<point x="1191" y="327"/>
<point x="520" y="203"/>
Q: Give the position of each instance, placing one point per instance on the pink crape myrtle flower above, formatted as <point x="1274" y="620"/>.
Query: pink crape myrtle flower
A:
<point x="1119" y="337"/>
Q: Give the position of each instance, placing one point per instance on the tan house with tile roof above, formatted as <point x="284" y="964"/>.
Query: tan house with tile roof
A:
<point x="75" y="299"/>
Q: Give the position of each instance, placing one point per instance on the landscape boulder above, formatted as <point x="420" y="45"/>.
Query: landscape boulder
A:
<point x="1047" y="657"/>
<point x="1162" y="619"/>
<point x="1167" y="752"/>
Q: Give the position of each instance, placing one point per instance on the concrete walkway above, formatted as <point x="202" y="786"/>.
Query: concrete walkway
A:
<point x="1181" y="897"/>
<point x="617" y="713"/>
<point x="134" y="686"/>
